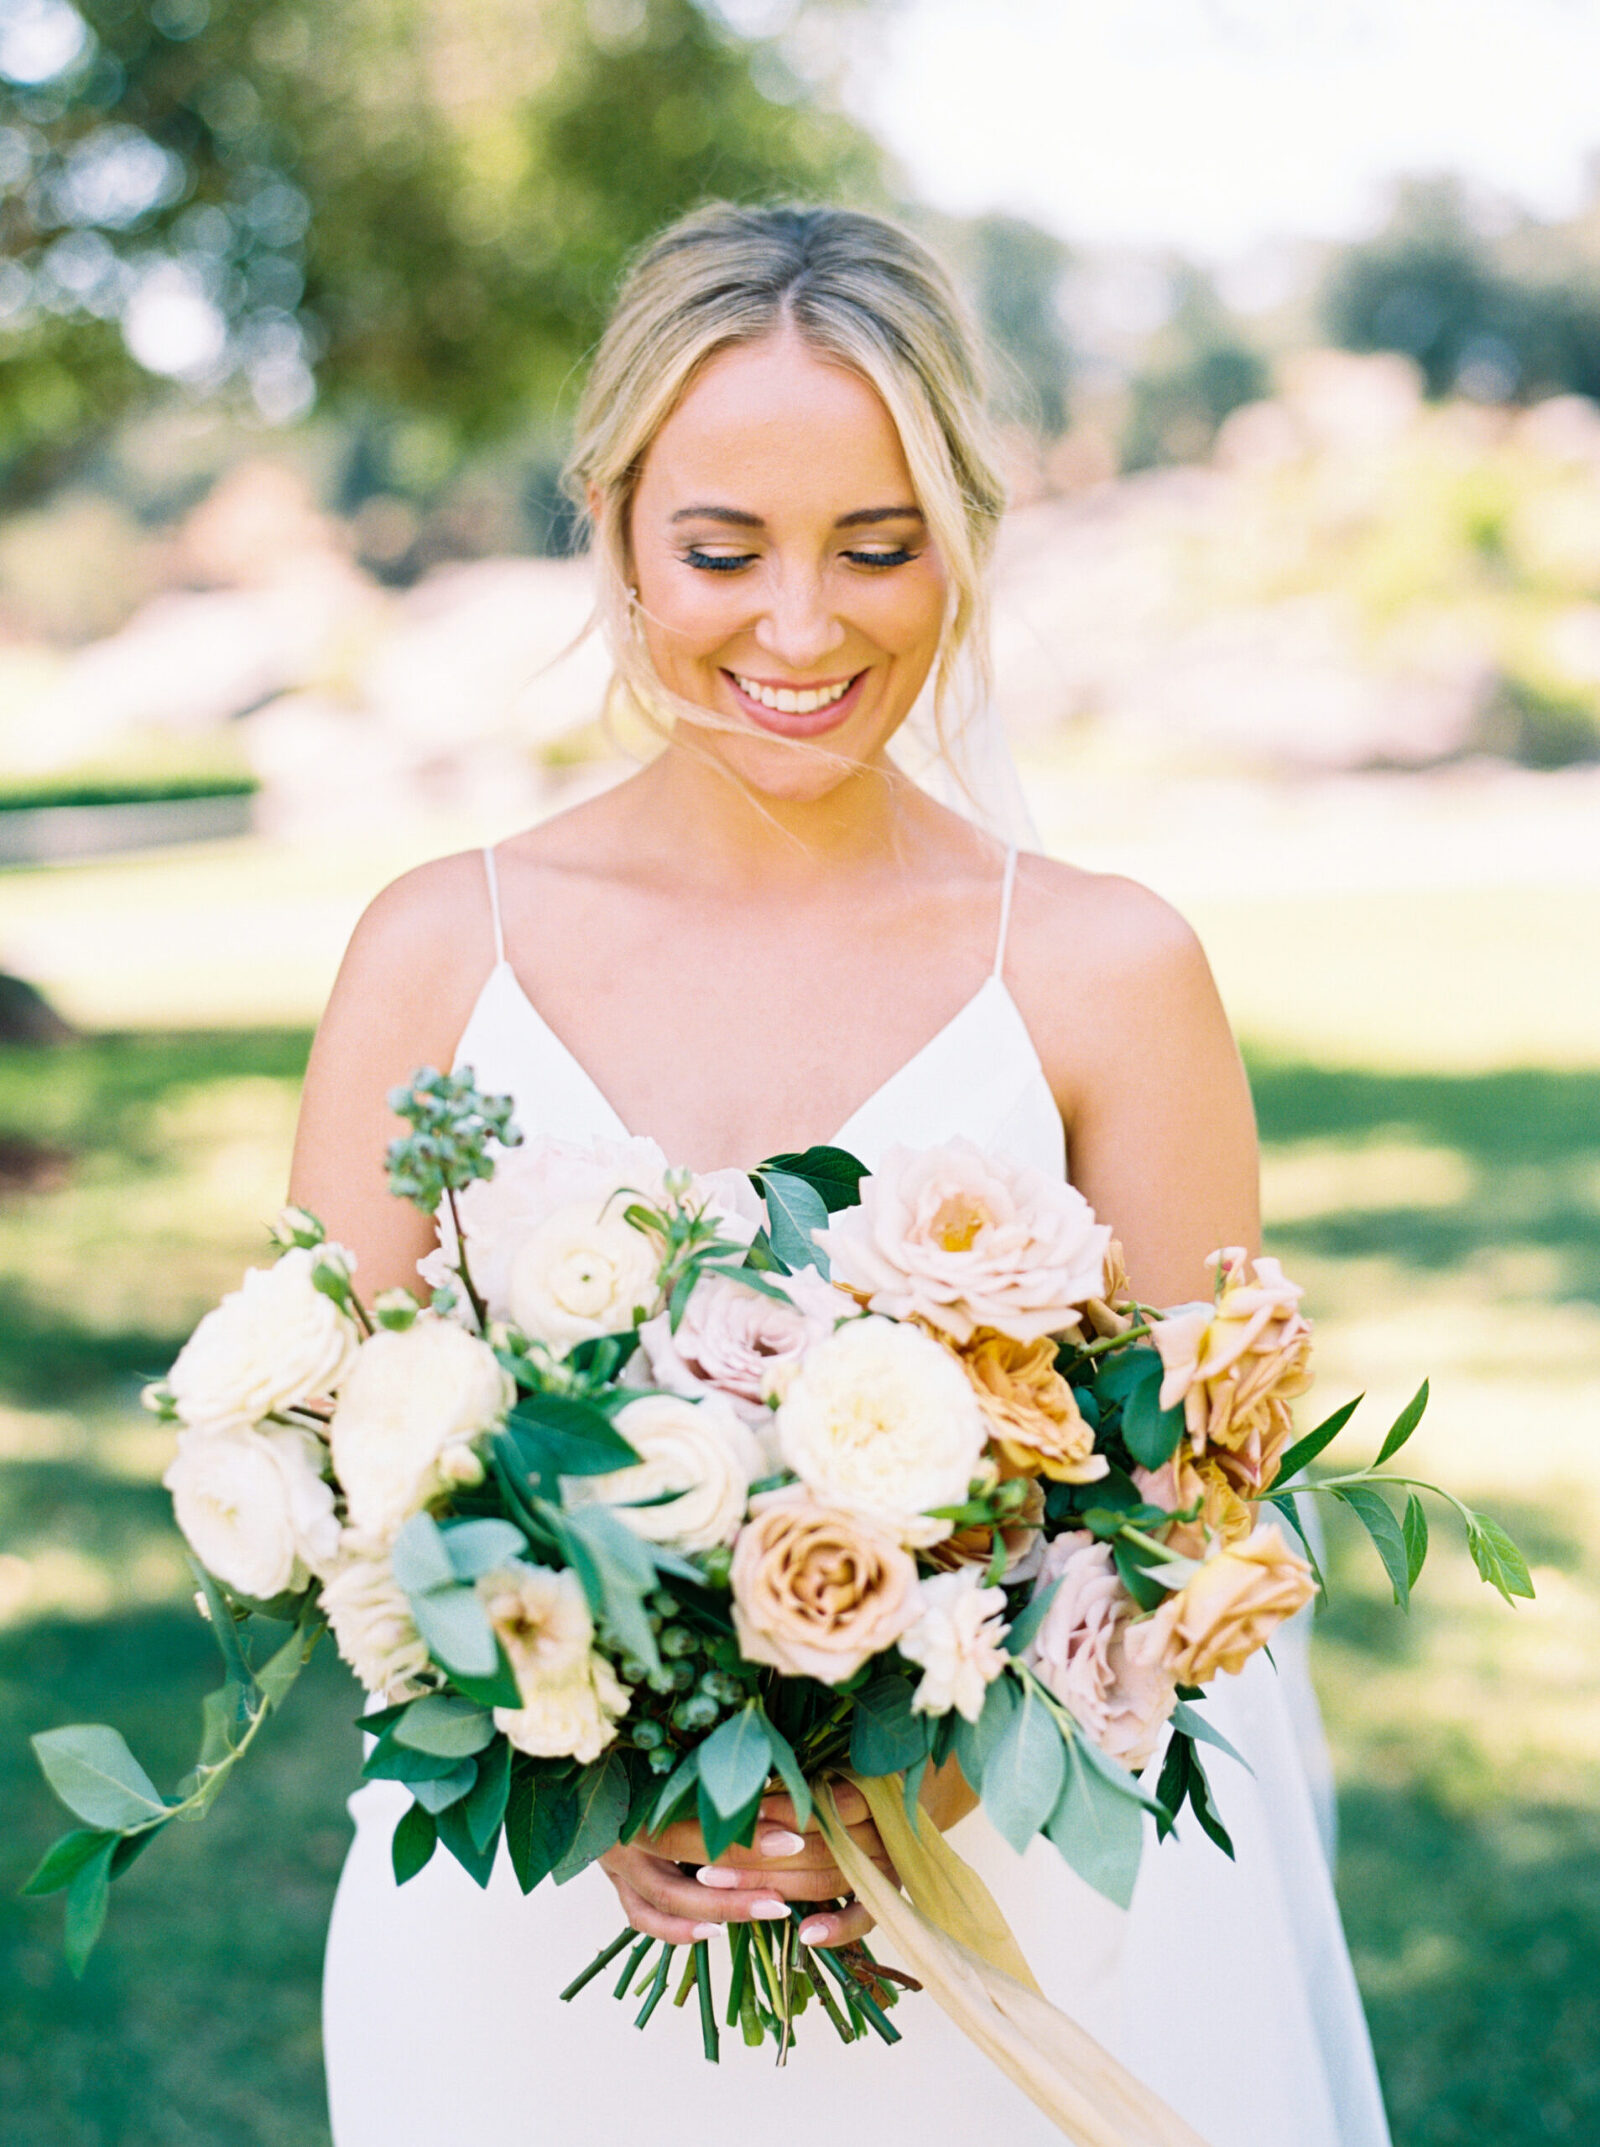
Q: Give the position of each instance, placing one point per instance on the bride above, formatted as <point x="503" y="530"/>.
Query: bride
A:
<point x="767" y="937"/>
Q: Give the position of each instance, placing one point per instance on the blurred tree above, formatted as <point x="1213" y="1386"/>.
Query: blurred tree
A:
<point x="1016" y="272"/>
<point x="417" y="207"/>
<point x="1198" y="371"/>
<point x="1517" y="316"/>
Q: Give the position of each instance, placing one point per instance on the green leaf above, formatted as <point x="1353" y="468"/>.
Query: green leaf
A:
<point x="1377" y="1518"/>
<point x="415" y="1836"/>
<point x="1100" y="1834"/>
<point x="679" y="1785"/>
<point x="1023" y="1775"/>
<point x="87" y="1895"/>
<point x="1414" y="1530"/>
<point x="484" y="1805"/>
<point x="617" y="1571"/>
<point x="833" y="1173"/>
<point x="445" y="1724"/>
<point x="224" y="1627"/>
<point x="564" y="1435"/>
<point x="477" y="1862"/>
<point x="95" y="1775"/>
<point x="1136" y="1576"/>
<point x="1150" y="1433"/>
<point x="1190" y="1722"/>
<point x="602" y="1805"/>
<point x="912" y="1793"/>
<point x="1308" y="1448"/>
<point x="419" y="1559"/>
<point x="1025" y="1625"/>
<point x="439" y="1792"/>
<point x="224" y="1717"/>
<point x="391" y="1761"/>
<point x="1204" y="1810"/>
<point x="456" y="1627"/>
<point x="1115" y="1775"/>
<point x="1403" y="1426"/>
<point x="794" y="1209"/>
<point x="478" y="1547"/>
<point x="1125" y="1369"/>
<point x="541" y="1818"/>
<point x="1284" y="1503"/>
<point x="501" y="1690"/>
<point x="735" y="1761"/>
<point x="130" y="1847"/>
<point x="721" y="1829"/>
<point x="1496" y="1557"/>
<point x="64" y="1859"/>
<point x="885" y="1734"/>
<point x="974" y="1741"/>
<point x="1172" y="1788"/>
<point x="284" y="1665"/>
<point x="788" y="1767"/>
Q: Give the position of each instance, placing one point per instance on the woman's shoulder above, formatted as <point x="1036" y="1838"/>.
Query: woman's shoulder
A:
<point x="435" y="916"/>
<point x="1104" y="924"/>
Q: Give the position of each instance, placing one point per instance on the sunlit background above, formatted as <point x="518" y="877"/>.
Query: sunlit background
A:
<point x="1297" y="309"/>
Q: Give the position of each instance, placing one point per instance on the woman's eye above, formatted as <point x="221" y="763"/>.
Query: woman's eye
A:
<point x="718" y="562"/>
<point x="901" y="556"/>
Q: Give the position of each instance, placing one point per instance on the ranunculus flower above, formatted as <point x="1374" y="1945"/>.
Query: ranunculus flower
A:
<point x="531" y="1182"/>
<point x="371" y="1621"/>
<point x="1229" y="1609"/>
<point x="254" y="1507"/>
<point x="1034" y="1419"/>
<point x="274" y="1342"/>
<point x="1236" y="1366"/>
<point x="964" y="1240"/>
<point x="572" y="1699"/>
<point x="881" y="1419"/>
<point x="415" y="1400"/>
<point x="816" y="1591"/>
<point x="584" y="1271"/>
<point x="957" y="1640"/>
<point x="740" y="1342"/>
<point x="1023" y="1537"/>
<point x="1083" y="1652"/>
<point x="698" y="1450"/>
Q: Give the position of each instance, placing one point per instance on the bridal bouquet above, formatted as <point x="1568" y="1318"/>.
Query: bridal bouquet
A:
<point x="684" y="1488"/>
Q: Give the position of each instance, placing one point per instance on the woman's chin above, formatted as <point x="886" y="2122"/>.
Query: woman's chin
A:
<point x="792" y="771"/>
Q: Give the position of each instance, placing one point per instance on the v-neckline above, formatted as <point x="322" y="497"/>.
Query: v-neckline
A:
<point x="992" y="983"/>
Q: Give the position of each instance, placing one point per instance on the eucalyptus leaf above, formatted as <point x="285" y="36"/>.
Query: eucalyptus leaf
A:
<point x="95" y="1775"/>
<point x="602" y="1805"/>
<point x="794" y="1209"/>
<point x="886" y="1735"/>
<point x="1023" y="1775"/>
<point x="1192" y="1723"/>
<point x="438" y="1794"/>
<point x="413" y="1842"/>
<point x="456" y="1627"/>
<point x="478" y="1547"/>
<point x="390" y="1761"/>
<point x="1284" y="1503"/>
<point x="721" y="1829"/>
<point x="974" y="1741"/>
<point x="1100" y="1834"/>
<point x="419" y="1560"/>
<point x="735" y="1761"/>
<point x="500" y="1690"/>
<point x="679" y="1784"/>
<point x="284" y="1665"/>
<point x="446" y="1725"/>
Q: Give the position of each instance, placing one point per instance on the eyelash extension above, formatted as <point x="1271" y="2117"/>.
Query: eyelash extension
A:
<point x="900" y="558"/>
<point x="731" y="562"/>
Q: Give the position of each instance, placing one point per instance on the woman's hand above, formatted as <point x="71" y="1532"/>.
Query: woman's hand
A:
<point x="782" y="1865"/>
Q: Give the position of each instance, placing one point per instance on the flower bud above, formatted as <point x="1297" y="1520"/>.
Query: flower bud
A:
<point x="296" y="1226"/>
<point x="395" y="1308"/>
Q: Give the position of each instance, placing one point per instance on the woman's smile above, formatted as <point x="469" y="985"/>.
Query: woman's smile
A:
<point x="795" y="710"/>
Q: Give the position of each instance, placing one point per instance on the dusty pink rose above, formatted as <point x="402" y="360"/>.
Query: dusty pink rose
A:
<point x="963" y="1240"/>
<point x="1231" y="1607"/>
<point x="1119" y="1698"/>
<point x="1236" y="1366"/>
<point x="816" y="1592"/>
<point x="741" y="1343"/>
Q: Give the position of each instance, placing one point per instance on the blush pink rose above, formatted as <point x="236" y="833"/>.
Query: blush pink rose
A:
<point x="1117" y="1696"/>
<point x="741" y="1343"/>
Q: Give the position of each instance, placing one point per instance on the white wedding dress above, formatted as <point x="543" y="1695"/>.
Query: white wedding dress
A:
<point x="1227" y="1986"/>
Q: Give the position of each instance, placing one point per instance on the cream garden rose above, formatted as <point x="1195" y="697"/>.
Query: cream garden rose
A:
<point x="700" y="1451"/>
<point x="882" y="1421"/>
<point x="816" y="1591"/>
<point x="957" y="1640"/>
<point x="371" y="1620"/>
<point x="414" y="1402"/>
<point x="965" y="1240"/>
<point x="1119" y="1695"/>
<point x="275" y="1341"/>
<point x="571" y="1697"/>
<point x="584" y="1271"/>
<point x="254" y="1507"/>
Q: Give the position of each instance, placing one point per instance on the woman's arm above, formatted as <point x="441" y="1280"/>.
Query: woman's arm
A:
<point x="404" y="990"/>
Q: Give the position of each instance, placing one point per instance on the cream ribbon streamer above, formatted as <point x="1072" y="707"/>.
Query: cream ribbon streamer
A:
<point x="951" y="1936"/>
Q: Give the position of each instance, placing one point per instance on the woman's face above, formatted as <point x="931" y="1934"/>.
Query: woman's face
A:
<point x="786" y="577"/>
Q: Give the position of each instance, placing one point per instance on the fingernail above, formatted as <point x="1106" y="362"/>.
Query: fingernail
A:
<point x="768" y="1911"/>
<point x="814" y="1932"/>
<point x="708" y="1930"/>
<point x="717" y="1875"/>
<point x="778" y="1841"/>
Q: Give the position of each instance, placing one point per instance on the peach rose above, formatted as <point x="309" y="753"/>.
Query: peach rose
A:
<point x="1178" y="1484"/>
<point x="1236" y="1366"/>
<point x="1230" y="1608"/>
<point x="816" y="1591"/>
<point x="963" y="1240"/>
<point x="1035" y="1423"/>
<point x="1119" y="1697"/>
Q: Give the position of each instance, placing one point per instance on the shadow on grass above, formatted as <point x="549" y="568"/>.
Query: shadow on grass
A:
<point x="94" y="1092"/>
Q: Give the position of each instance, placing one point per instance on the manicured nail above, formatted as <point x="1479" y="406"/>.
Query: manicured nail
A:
<point x="813" y="1933"/>
<point x="778" y="1841"/>
<point x="769" y="1911"/>
<point x="718" y="1875"/>
<point x="709" y="1930"/>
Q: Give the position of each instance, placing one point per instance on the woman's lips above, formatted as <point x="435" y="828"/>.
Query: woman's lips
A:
<point x="794" y="725"/>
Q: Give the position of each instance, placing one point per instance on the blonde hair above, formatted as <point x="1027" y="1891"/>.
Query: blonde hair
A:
<point x="858" y="289"/>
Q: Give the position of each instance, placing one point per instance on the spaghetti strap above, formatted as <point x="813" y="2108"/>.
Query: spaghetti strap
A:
<point x="493" y="878"/>
<point x="1007" y="885"/>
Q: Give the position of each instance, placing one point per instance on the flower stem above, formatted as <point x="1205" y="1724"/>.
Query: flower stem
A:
<point x="1115" y="1341"/>
<point x="603" y="1959"/>
<point x="479" y="1308"/>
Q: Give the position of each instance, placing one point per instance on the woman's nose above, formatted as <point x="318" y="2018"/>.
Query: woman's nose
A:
<point x="797" y="628"/>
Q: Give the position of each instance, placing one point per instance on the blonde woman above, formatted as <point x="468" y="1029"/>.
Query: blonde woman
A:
<point x="767" y="937"/>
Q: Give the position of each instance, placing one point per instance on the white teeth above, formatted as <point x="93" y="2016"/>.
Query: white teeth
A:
<point x="792" y="701"/>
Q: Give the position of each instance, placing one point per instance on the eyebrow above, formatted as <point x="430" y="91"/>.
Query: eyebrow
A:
<point x="737" y="518"/>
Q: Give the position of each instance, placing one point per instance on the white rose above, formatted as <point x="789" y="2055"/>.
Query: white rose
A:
<point x="531" y="1182"/>
<point x="957" y="1641"/>
<point x="254" y="1507"/>
<point x="274" y="1342"/>
<point x="371" y="1620"/>
<point x="965" y="1240"/>
<point x="571" y="1696"/>
<point x="583" y="1271"/>
<point x="414" y="1401"/>
<point x="741" y="1342"/>
<point x="699" y="1451"/>
<point x="882" y="1421"/>
<point x="575" y="1719"/>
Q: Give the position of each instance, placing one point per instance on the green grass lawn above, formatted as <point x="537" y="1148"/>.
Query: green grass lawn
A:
<point x="1443" y="1224"/>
